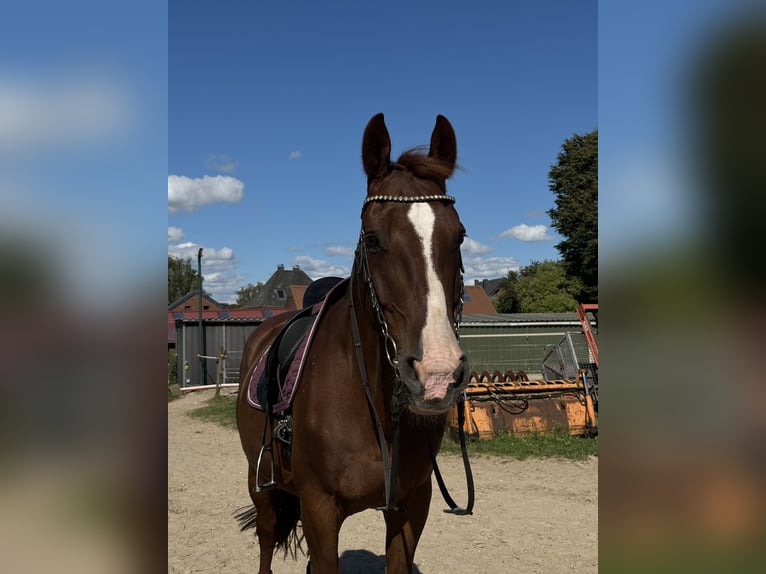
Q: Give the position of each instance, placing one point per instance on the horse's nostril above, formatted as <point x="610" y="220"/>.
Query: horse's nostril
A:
<point x="407" y="365"/>
<point x="460" y="374"/>
<point x="410" y="374"/>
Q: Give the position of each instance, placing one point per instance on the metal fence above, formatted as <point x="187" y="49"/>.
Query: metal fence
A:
<point x="230" y="337"/>
<point x="502" y="351"/>
<point x="563" y="359"/>
<point x="549" y="354"/>
<point x="571" y="354"/>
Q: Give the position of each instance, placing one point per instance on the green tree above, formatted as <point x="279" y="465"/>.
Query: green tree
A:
<point x="247" y="293"/>
<point x="508" y="299"/>
<point x="574" y="181"/>
<point x="543" y="287"/>
<point x="182" y="278"/>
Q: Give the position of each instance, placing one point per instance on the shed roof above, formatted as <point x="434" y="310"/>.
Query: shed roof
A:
<point x="522" y="320"/>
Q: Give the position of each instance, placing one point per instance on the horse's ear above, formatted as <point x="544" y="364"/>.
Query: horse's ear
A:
<point x="443" y="142"/>
<point x="376" y="147"/>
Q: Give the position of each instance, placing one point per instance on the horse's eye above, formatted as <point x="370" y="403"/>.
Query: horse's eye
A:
<point x="371" y="242"/>
<point x="462" y="234"/>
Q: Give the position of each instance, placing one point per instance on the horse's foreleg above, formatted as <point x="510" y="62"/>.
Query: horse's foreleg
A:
<point x="321" y="520"/>
<point x="403" y="530"/>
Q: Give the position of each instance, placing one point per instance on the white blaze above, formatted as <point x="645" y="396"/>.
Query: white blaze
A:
<point x="441" y="353"/>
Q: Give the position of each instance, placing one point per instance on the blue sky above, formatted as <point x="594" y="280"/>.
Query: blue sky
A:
<point x="268" y="101"/>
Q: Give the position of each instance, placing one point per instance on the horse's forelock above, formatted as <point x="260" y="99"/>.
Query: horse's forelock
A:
<point x="417" y="161"/>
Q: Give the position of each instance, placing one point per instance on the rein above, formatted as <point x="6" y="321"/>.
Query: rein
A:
<point x="391" y="464"/>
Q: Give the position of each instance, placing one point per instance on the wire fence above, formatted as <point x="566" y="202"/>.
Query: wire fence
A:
<point x="518" y="351"/>
<point x="563" y="359"/>
<point x="570" y="356"/>
<point x="550" y="355"/>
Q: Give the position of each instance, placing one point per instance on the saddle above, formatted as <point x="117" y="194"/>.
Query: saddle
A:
<point x="280" y="356"/>
<point x="276" y="374"/>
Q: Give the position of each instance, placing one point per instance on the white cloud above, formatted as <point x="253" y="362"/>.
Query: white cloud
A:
<point x="295" y="154"/>
<point x="316" y="268"/>
<point x="175" y="233"/>
<point x="218" y="260"/>
<point x="211" y="257"/>
<point x="223" y="285"/>
<point x="524" y="232"/>
<point x="218" y="269"/>
<point x="488" y="268"/>
<point x="473" y="247"/>
<point x="338" y="250"/>
<point x="187" y="194"/>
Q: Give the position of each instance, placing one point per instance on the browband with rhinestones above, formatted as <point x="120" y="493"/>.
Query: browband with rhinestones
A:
<point x="404" y="199"/>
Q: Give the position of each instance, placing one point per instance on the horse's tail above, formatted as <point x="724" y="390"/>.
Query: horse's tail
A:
<point x="246" y="517"/>
<point x="287" y="507"/>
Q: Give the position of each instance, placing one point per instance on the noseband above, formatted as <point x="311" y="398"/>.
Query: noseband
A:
<point x="390" y="465"/>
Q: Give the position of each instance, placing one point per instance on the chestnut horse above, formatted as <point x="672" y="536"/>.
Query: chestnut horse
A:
<point x="380" y="374"/>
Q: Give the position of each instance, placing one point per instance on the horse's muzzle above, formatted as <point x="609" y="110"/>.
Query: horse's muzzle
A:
<point x="438" y="390"/>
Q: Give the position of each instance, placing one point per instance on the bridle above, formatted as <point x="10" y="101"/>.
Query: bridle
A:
<point x="390" y="464"/>
<point x="361" y="257"/>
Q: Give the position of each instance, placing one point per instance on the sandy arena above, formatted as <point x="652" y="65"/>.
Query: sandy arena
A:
<point x="533" y="516"/>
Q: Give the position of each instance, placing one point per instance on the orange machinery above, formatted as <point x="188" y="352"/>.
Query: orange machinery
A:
<point x="521" y="407"/>
<point x="509" y="402"/>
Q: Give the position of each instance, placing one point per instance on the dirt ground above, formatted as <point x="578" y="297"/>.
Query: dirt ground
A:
<point x="537" y="516"/>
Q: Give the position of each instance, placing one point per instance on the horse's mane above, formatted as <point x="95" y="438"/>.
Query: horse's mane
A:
<point x="417" y="161"/>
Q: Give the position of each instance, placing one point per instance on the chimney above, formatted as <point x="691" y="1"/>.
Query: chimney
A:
<point x="280" y="267"/>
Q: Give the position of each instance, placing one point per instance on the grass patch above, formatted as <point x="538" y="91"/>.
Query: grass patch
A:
<point x="220" y="410"/>
<point x="557" y="444"/>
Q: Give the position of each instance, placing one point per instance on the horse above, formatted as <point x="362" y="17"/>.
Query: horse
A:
<point x="379" y="376"/>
